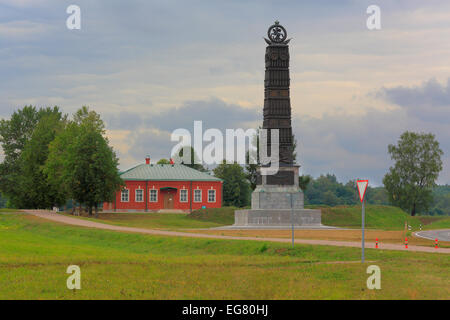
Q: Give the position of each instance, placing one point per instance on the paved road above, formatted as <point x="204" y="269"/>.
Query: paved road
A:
<point x="91" y="224"/>
<point x="441" y="235"/>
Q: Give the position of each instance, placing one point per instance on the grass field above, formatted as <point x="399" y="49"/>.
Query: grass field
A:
<point x="35" y="253"/>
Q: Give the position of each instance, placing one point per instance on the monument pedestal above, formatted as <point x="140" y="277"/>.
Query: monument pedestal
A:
<point x="277" y="218"/>
<point x="271" y="206"/>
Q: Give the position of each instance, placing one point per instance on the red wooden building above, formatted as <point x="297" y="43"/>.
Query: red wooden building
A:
<point x="166" y="187"/>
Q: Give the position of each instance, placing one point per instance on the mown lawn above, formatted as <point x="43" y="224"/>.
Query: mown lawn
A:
<point x="168" y="221"/>
<point x="35" y="253"/>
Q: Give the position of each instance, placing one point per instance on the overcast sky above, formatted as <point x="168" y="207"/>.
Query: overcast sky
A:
<point x="149" y="67"/>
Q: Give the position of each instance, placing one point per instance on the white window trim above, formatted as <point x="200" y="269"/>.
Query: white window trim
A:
<point x="187" y="195"/>
<point x="150" y="196"/>
<point x="215" y="198"/>
<point x="135" y="195"/>
<point x="199" y="201"/>
<point x="121" y="195"/>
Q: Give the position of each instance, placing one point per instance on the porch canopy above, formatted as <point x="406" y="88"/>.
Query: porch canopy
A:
<point x="167" y="188"/>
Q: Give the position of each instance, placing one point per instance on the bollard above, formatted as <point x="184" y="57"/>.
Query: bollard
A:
<point x="376" y="243"/>
<point x="436" y="243"/>
<point x="406" y="243"/>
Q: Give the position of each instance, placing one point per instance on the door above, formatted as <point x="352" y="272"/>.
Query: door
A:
<point x="168" y="199"/>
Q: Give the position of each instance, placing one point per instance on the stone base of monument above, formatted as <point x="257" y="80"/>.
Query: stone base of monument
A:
<point x="277" y="218"/>
<point x="271" y="207"/>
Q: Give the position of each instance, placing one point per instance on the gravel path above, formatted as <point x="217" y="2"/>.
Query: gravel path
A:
<point x="91" y="224"/>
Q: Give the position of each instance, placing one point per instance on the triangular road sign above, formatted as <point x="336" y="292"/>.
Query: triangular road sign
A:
<point x="362" y="187"/>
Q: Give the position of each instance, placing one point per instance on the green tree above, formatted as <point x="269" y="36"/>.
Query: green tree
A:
<point x="417" y="165"/>
<point x="60" y="162"/>
<point x="3" y="201"/>
<point x="303" y="182"/>
<point x="163" y="161"/>
<point x="95" y="177"/>
<point x="193" y="163"/>
<point x="377" y="195"/>
<point x="84" y="116"/>
<point x="251" y="172"/>
<point x="32" y="180"/>
<point x="236" y="188"/>
<point x="82" y="163"/>
<point x="252" y="164"/>
<point x="14" y="135"/>
<point x="441" y="200"/>
<point x="327" y="190"/>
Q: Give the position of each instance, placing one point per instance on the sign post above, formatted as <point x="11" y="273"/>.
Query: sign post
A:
<point x="362" y="187"/>
<point x="290" y="195"/>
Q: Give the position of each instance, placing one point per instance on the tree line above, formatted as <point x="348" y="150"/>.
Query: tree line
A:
<point x="50" y="159"/>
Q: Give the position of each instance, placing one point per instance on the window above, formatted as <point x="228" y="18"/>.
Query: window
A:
<point x="139" y="195"/>
<point x="124" y="195"/>
<point x="183" y="195"/>
<point x="153" y="195"/>
<point x="197" y="195"/>
<point x="211" y="195"/>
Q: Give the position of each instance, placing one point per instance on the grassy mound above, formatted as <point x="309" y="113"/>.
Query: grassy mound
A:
<point x="438" y="223"/>
<point x="377" y="217"/>
<point x="224" y="216"/>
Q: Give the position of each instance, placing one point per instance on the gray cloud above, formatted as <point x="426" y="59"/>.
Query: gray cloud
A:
<point x="214" y="113"/>
<point x="429" y="101"/>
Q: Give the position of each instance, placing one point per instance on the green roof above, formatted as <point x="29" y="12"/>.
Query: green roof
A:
<point x="166" y="172"/>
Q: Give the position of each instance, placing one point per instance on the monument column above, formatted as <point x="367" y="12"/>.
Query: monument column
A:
<point x="277" y="105"/>
<point x="271" y="200"/>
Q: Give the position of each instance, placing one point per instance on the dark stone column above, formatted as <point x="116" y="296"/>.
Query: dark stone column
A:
<point x="277" y="103"/>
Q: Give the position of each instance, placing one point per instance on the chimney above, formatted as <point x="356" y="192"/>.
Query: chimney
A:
<point x="147" y="160"/>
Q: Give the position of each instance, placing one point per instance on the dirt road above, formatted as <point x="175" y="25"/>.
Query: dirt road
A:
<point x="91" y="224"/>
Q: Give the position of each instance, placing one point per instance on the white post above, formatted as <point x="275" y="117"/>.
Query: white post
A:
<point x="292" y="219"/>
<point x="363" y="214"/>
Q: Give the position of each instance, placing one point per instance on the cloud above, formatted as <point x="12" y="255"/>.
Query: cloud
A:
<point x="429" y="101"/>
<point x="24" y="3"/>
<point x="214" y="113"/>
<point x="347" y="145"/>
<point x="21" y="29"/>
